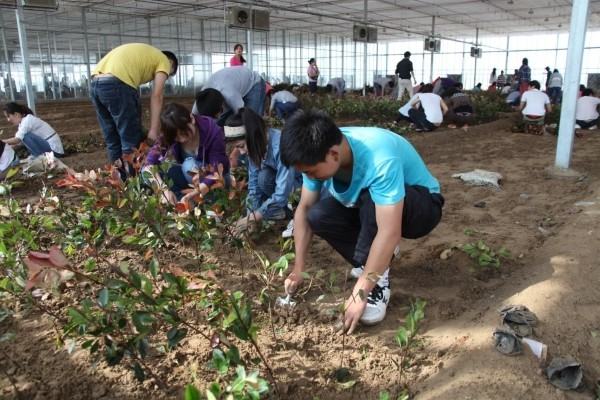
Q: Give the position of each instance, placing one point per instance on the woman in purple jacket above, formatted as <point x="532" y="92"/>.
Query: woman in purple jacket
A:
<point x="188" y="142"/>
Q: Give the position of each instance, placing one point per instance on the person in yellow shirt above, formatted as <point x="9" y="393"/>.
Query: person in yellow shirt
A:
<point x="115" y="94"/>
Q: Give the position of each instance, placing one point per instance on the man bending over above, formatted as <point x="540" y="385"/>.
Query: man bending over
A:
<point x="379" y="191"/>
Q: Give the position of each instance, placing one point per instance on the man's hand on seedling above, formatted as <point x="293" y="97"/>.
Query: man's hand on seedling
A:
<point x="353" y="310"/>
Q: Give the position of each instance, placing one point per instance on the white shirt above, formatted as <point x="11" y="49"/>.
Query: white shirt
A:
<point x="535" y="102"/>
<point x="7" y="157"/>
<point x="32" y="124"/>
<point x="556" y="80"/>
<point x="431" y="104"/>
<point x="404" y="109"/>
<point x="587" y="108"/>
<point x="283" y="96"/>
<point x="338" y="84"/>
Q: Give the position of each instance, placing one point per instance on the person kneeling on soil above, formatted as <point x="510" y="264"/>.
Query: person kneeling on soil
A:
<point x="460" y="109"/>
<point x="36" y="135"/>
<point x="427" y="110"/>
<point x="534" y="105"/>
<point x="380" y="191"/>
<point x="188" y="143"/>
<point x="587" y="115"/>
<point x="284" y="103"/>
<point x="270" y="182"/>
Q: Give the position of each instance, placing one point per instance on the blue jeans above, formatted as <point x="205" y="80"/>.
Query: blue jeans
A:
<point x="555" y="94"/>
<point x="255" y="98"/>
<point x="36" y="145"/>
<point x="178" y="177"/>
<point x="283" y="110"/>
<point x="119" y="113"/>
<point x="265" y="188"/>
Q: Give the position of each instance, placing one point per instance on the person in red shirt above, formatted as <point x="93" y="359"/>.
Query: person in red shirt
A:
<point x="237" y="58"/>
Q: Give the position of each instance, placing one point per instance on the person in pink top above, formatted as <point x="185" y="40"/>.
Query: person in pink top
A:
<point x="237" y="58"/>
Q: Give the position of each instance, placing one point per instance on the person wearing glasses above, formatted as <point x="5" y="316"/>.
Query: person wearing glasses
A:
<point x="115" y="94"/>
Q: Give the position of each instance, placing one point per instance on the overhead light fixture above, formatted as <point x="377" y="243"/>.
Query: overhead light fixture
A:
<point x="530" y="11"/>
<point x="546" y="19"/>
<point x="560" y="25"/>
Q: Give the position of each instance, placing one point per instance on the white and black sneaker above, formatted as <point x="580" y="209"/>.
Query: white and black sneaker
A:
<point x="289" y="230"/>
<point x="356" y="272"/>
<point x="376" y="305"/>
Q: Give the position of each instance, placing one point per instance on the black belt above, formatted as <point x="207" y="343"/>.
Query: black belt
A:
<point x="103" y="78"/>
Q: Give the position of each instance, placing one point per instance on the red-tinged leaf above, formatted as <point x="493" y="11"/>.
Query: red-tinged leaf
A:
<point x="44" y="274"/>
<point x="215" y="340"/>
<point x="148" y="255"/>
<point x="196" y="285"/>
<point x="57" y="257"/>
<point x="210" y="274"/>
<point x="175" y="270"/>
<point x="38" y="254"/>
<point x="181" y="207"/>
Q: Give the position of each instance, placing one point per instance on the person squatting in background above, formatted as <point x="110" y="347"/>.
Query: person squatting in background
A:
<point x="36" y="135"/>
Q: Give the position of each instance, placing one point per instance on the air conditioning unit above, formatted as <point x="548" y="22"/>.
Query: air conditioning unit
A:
<point x="360" y="33"/>
<point x="432" y="44"/>
<point x="476" y="52"/>
<point x="260" y="20"/>
<point x="372" y="35"/>
<point x="240" y="18"/>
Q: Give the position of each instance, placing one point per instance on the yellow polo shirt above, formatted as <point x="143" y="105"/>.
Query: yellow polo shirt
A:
<point x="134" y="63"/>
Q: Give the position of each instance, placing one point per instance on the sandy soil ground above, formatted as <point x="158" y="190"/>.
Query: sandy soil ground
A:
<point x="548" y="223"/>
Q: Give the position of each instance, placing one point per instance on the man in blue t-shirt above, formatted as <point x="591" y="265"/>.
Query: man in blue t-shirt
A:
<point x="380" y="191"/>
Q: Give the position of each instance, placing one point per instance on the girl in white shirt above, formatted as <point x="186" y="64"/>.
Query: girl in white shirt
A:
<point x="36" y="135"/>
<point x="427" y="110"/>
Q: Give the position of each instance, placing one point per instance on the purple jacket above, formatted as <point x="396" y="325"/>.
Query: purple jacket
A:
<point x="211" y="150"/>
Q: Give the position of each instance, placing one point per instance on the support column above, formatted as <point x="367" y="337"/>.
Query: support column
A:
<point x="250" y="47"/>
<point x="343" y="48"/>
<point x="354" y="72"/>
<point x="285" y="78"/>
<point x="203" y="57"/>
<point x="462" y="66"/>
<point x="179" y="56"/>
<point x="475" y="68"/>
<point x="556" y="51"/>
<point x="365" y="49"/>
<point x="25" y="55"/>
<point x="43" y="71"/>
<point x="506" y="59"/>
<point x="330" y="59"/>
<point x="9" y="77"/>
<point x="57" y="67"/>
<point x="432" y="53"/>
<point x="149" y="30"/>
<point x="579" y="18"/>
<point x="86" y="52"/>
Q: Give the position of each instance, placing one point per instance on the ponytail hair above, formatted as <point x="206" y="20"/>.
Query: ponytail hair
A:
<point x="16" y="108"/>
<point x="256" y="132"/>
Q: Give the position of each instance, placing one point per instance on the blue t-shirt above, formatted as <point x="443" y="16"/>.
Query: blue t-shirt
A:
<point x="383" y="162"/>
